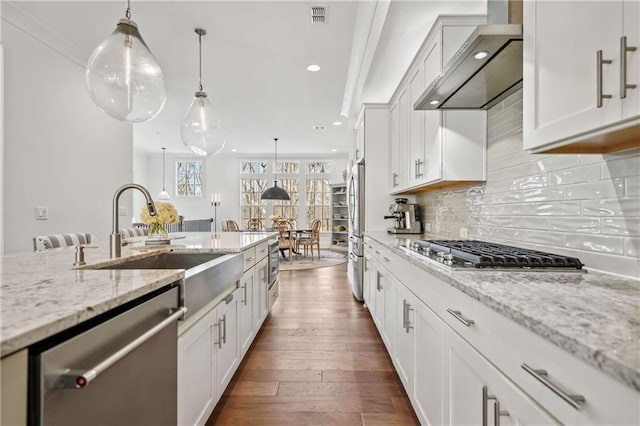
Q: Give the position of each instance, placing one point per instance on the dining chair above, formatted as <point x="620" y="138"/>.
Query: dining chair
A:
<point x="309" y="239"/>
<point x="46" y="242"/>
<point x="286" y="240"/>
<point x="255" y="224"/>
<point x="232" y="226"/>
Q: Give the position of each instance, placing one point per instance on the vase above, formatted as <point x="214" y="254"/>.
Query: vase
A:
<point x="158" y="230"/>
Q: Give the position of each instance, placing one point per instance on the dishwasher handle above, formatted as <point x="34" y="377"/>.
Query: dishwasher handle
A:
<point x="80" y="379"/>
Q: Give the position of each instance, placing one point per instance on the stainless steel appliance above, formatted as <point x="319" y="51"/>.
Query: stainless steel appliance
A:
<point x="407" y="217"/>
<point x="481" y="255"/>
<point x="118" y="368"/>
<point x="274" y="261"/>
<point x="355" y="204"/>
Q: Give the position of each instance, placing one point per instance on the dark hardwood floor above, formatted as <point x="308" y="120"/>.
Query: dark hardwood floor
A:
<point x="318" y="360"/>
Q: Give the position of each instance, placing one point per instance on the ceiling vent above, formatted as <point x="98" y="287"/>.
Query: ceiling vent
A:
<point x="318" y="14"/>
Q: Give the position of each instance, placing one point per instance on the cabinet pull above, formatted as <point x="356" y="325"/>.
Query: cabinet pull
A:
<point x="459" y="317"/>
<point x="409" y="326"/>
<point x="485" y="400"/>
<point x="386" y="258"/>
<point x="623" y="67"/>
<point x="497" y="413"/>
<point x="404" y="314"/>
<point x="244" y="297"/>
<point x="224" y="329"/>
<point x="219" y="342"/>
<point x="415" y="169"/>
<point x="394" y="179"/>
<point x="576" y="401"/>
<point x="599" y="63"/>
<point x="249" y="259"/>
<point x="419" y="163"/>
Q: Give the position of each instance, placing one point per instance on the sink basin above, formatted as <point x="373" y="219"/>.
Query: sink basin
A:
<point x="168" y="261"/>
<point x="207" y="275"/>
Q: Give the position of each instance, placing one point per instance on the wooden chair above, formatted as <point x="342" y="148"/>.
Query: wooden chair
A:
<point x="286" y="240"/>
<point x="232" y="226"/>
<point x="308" y="240"/>
<point x="255" y="224"/>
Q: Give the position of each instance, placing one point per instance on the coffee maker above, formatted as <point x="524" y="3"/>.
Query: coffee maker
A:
<point x="407" y="217"/>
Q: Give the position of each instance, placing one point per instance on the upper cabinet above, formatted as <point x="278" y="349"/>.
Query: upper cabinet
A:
<point x="581" y="76"/>
<point x="435" y="149"/>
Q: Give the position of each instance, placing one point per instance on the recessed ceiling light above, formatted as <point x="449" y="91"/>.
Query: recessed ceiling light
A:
<point x="337" y="123"/>
<point x="313" y="68"/>
<point x="434" y="102"/>
<point x="334" y="150"/>
<point x="234" y="150"/>
<point x="481" y="55"/>
<point x="319" y="127"/>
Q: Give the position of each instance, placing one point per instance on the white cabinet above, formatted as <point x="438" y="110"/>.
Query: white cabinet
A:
<point x="405" y="337"/>
<point x="260" y="298"/>
<point x="444" y="148"/>
<point x="207" y="358"/>
<point x="478" y="392"/>
<point x="13" y="388"/>
<point x="573" y="101"/>
<point x="384" y="303"/>
<point x="367" y="286"/>
<point x="246" y="324"/>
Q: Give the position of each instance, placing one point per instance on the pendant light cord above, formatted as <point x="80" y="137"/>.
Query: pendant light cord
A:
<point x="128" y="13"/>
<point x="276" y="166"/>
<point x="163" y="166"/>
<point x="200" y="59"/>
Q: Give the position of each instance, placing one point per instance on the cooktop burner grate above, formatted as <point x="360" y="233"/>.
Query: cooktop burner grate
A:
<point x="482" y="254"/>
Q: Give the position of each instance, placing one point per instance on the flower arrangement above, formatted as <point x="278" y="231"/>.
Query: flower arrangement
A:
<point x="165" y="213"/>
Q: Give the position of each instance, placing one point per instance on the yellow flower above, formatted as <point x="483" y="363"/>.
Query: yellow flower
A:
<point x="165" y="213"/>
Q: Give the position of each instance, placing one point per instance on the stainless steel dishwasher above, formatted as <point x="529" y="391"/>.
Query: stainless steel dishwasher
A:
<point x="117" y="369"/>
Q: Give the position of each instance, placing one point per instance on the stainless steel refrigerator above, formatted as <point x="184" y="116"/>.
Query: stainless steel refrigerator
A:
<point x="355" y="202"/>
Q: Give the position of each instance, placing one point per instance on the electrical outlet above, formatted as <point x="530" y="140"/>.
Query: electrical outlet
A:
<point x="427" y="227"/>
<point x="464" y="233"/>
<point x="42" y="213"/>
<point x="123" y="211"/>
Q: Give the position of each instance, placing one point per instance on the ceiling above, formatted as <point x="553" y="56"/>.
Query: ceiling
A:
<point x="255" y="56"/>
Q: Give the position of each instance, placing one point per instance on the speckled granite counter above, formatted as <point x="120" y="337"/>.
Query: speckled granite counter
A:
<point x="593" y="316"/>
<point x="42" y="294"/>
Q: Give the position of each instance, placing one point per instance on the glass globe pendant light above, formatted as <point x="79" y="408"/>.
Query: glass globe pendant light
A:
<point x="163" y="195"/>
<point x="201" y="128"/>
<point x="123" y="77"/>
<point x="275" y="192"/>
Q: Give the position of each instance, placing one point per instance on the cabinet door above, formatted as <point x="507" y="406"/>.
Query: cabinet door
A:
<point x="227" y="348"/>
<point x="197" y="391"/>
<point x="560" y="69"/>
<point x="416" y="130"/>
<point x="430" y="167"/>
<point x="404" y="109"/>
<point x="389" y="326"/>
<point x="470" y="377"/>
<point x="379" y="296"/>
<point x="631" y="27"/>
<point x="405" y="337"/>
<point x="429" y="369"/>
<point x="260" y="287"/>
<point x="397" y="162"/>
<point x="367" y="284"/>
<point x="246" y="323"/>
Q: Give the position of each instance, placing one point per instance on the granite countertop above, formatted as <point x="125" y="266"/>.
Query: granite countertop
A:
<point x="594" y="316"/>
<point x="42" y="293"/>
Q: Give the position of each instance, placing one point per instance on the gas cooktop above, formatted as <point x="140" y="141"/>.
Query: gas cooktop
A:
<point x="468" y="254"/>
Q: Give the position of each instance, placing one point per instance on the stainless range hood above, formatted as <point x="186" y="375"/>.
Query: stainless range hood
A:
<point x="486" y="69"/>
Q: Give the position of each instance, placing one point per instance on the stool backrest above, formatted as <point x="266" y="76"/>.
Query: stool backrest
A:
<point x="46" y="242"/>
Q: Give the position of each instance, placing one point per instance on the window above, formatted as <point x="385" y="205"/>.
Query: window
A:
<point x="252" y="205"/>
<point x="254" y="167"/>
<point x="189" y="178"/>
<point x="318" y="167"/>
<point x="288" y="209"/>
<point x="319" y="202"/>
<point x="288" y="167"/>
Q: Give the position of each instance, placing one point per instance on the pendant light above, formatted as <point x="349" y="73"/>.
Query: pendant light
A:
<point x="163" y="195"/>
<point x="275" y="192"/>
<point x="123" y="77"/>
<point x="201" y="128"/>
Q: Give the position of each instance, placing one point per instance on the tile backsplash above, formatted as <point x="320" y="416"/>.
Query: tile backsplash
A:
<point x="586" y="206"/>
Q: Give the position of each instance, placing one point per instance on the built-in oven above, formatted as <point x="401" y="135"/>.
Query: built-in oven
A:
<point x="274" y="262"/>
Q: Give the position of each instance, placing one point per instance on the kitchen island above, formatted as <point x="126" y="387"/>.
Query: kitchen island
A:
<point x="580" y="327"/>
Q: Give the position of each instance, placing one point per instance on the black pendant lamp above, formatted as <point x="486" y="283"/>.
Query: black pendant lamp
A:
<point x="275" y="192"/>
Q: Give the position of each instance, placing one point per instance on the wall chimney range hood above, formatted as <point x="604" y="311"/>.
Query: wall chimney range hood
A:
<point x="486" y="69"/>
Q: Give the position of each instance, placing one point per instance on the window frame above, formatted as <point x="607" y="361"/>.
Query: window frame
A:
<point x="202" y="177"/>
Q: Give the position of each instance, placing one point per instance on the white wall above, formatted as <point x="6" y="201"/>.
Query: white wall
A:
<point x="61" y="151"/>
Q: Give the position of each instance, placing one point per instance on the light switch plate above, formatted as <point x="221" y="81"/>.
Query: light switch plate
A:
<point x="42" y="213"/>
<point x="464" y="233"/>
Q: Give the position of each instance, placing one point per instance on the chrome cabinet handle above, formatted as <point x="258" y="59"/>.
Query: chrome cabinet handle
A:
<point x="224" y="328"/>
<point x="249" y="259"/>
<point x="219" y="342"/>
<point x="386" y="258"/>
<point x="409" y="326"/>
<point x="394" y="179"/>
<point x="458" y="315"/>
<point x="244" y="294"/>
<point x="485" y="400"/>
<point x="623" y="67"/>
<point x="404" y="315"/>
<point x="378" y="285"/>
<point x="80" y="379"/>
<point x="576" y="401"/>
<point x="420" y="163"/>
<point x="599" y="63"/>
<point x="497" y="413"/>
<point x="415" y="169"/>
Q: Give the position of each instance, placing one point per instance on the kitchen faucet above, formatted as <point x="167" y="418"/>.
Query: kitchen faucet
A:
<point x="115" y="240"/>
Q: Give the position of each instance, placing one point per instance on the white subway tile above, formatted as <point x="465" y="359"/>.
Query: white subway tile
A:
<point x="591" y="158"/>
<point x="555" y="193"/>
<point x="629" y="266"/>
<point x="544" y="238"/>
<point x="513" y="99"/>
<point x="599" y="243"/>
<point x="530" y="182"/>
<point x="629" y="166"/>
<point x="500" y="221"/>
<point x="632" y="247"/>
<point x="621" y="226"/>
<point x="556" y="162"/>
<point x="589" y="225"/>
<point x="504" y="146"/>
<point x="632" y="185"/>
<point x="594" y="190"/>
<point x="530" y="222"/>
<point x="612" y="207"/>
<point x="510" y="172"/>
<point x="586" y="173"/>
<point x="512" y="159"/>
<point x="564" y="208"/>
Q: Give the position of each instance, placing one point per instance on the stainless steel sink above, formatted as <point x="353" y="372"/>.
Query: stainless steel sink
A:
<point x="207" y="275"/>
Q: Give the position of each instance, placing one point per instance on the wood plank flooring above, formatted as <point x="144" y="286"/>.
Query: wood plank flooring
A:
<point x="318" y="360"/>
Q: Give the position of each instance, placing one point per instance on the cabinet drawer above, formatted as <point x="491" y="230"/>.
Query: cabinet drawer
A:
<point x="249" y="258"/>
<point x="262" y="250"/>
<point x="273" y="293"/>
<point x="379" y="252"/>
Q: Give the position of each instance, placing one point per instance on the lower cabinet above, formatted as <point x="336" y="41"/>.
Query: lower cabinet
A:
<point x="227" y="353"/>
<point x="260" y="291"/>
<point x="246" y="312"/>
<point x="384" y="288"/>
<point x="405" y="337"/>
